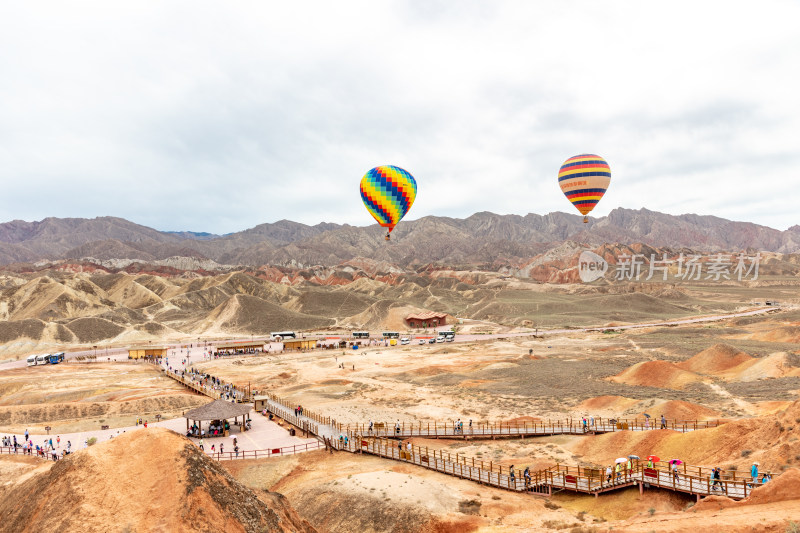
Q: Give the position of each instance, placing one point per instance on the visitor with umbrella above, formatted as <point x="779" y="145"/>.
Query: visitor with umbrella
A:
<point x="618" y="468"/>
<point x="673" y="463"/>
<point x="651" y="460"/>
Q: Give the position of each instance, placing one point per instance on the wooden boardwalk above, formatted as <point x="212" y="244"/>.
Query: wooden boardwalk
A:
<point x="691" y="479"/>
<point x="484" y="430"/>
<point x="377" y="439"/>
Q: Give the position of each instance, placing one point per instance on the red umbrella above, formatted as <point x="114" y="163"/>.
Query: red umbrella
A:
<point x="653" y="458"/>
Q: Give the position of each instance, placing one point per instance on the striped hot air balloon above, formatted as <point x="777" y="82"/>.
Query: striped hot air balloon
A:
<point x="388" y="193"/>
<point x="584" y="179"/>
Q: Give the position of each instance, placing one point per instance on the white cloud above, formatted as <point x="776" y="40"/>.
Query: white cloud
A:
<point x="193" y="116"/>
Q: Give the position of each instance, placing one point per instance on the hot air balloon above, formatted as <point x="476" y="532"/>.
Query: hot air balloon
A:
<point x="584" y="179"/>
<point x="388" y="193"/>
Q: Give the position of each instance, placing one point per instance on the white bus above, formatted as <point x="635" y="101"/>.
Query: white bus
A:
<point x="280" y="335"/>
<point x="361" y="334"/>
<point x="32" y="360"/>
<point x="391" y="334"/>
<point x="43" y="359"/>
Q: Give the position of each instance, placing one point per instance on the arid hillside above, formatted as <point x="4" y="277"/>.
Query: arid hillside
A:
<point x="481" y="239"/>
<point x="56" y="306"/>
<point x="153" y="480"/>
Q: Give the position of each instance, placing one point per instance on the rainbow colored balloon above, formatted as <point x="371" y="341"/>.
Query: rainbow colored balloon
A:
<point x="584" y="179"/>
<point x="388" y="193"/>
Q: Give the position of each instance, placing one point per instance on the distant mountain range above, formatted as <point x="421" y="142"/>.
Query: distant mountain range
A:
<point x="481" y="239"/>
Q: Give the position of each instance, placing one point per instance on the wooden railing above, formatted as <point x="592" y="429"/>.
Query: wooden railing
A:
<point x="19" y="450"/>
<point x="262" y="454"/>
<point x="515" y="429"/>
<point x="287" y="413"/>
<point x="319" y="419"/>
<point x="690" y="479"/>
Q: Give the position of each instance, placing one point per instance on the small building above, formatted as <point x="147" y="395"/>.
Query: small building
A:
<point x="240" y="347"/>
<point x="300" y="344"/>
<point x="139" y="353"/>
<point x="426" y="319"/>
<point x="260" y="403"/>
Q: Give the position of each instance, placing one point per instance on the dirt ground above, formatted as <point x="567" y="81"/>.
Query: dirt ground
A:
<point x="83" y="396"/>
<point x="551" y="377"/>
<point x="746" y="369"/>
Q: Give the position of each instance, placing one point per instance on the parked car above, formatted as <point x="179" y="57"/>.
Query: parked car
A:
<point x="422" y="341"/>
<point x="440" y="339"/>
<point x="432" y="340"/>
<point x="405" y="340"/>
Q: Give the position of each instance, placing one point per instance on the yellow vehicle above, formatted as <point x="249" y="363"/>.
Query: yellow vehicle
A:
<point x="392" y="342"/>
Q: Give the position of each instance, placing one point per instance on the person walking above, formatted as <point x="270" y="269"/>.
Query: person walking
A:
<point x="58" y="441"/>
<point x="201" y="445"/>
<point x="663" y="422"/>
<point x="608" y="473"/>
<point x="675" y="472"/>
<point x="26" y="435"/>
<point x="236" y="450"/>
<point x="754" y="472"/>
<point x="715" y="476"/>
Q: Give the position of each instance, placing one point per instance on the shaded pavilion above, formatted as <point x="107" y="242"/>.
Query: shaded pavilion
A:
<point x="218" y="410"/>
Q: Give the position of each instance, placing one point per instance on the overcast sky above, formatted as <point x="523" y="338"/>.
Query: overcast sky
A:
<point x="210" y="116"/>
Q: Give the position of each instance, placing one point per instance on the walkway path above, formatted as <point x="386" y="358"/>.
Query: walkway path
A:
<point x="690" y="479"/>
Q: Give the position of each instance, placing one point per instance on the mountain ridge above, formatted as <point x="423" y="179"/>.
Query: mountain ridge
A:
<point x="481" y="238"/>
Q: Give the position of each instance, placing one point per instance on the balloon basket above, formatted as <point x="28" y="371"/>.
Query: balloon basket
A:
<point x="585" y="220"/>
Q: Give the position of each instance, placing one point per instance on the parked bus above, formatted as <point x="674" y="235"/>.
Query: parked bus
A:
<point x="56" y="358"/>
<point x="447" y="334"/>
<point x="391" y="335"/>
<point x="280" y="335"/>
<point x="361" y="334"/>
<point x="43" y="359"/>
<point x="31" y="360"/>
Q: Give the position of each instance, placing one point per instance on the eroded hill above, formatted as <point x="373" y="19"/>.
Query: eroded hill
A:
<point x="148" y="480"/>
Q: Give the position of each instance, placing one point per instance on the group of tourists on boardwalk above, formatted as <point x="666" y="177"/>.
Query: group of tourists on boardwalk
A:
<point x="226" y="391"/>
<point x="624" y="468"/>
<point x="47" y="450"/>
